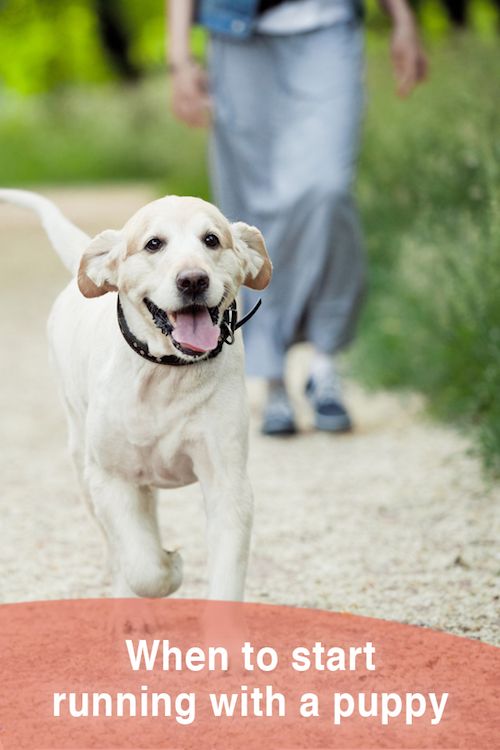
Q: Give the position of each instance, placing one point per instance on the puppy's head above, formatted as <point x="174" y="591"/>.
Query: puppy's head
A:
<point x="180" y="263"/>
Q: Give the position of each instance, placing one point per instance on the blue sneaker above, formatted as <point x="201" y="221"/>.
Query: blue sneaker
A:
<point x="278" y="418"/>
<point x="325" y="397"/>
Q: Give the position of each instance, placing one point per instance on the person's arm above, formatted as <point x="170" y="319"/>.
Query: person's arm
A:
<point x="189" y="89"/>
<point x="408" y="56"/>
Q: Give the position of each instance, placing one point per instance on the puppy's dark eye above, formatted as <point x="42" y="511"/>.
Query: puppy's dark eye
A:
<point x="211" y="240"/>
<point x="154" y="245"/>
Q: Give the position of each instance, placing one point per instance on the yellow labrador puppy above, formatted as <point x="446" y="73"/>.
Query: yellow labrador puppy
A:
<point x="152" y="379"/>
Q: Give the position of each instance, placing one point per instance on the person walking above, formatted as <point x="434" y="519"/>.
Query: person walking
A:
<point x="284" y="93"/>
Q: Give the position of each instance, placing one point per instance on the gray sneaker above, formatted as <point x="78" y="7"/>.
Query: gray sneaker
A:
<point x="278" y="415"/>
<point x="325" y="397"/>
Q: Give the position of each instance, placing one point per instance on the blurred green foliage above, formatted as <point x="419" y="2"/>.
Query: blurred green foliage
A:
<point x="47" y="44"/>
<point x="429" y="187"/>
<point x="104" y="133"/>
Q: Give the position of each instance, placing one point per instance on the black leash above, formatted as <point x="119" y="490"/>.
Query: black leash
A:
<point x="246" y="317"/>
<point x="229" y="325"/>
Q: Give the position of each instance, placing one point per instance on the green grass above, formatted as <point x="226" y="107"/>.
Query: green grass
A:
<point x="99" y="134"/>
<point x="429" y="192"/>
<point x="430" y="196"/>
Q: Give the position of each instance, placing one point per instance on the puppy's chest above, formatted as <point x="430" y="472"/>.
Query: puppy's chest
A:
<point x="156" y="438"/>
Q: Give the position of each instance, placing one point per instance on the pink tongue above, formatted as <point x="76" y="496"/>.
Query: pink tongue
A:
<point x="196" y="331"/>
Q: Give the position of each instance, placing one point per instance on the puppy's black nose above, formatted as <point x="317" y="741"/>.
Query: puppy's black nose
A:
<point x="193" y="282"/>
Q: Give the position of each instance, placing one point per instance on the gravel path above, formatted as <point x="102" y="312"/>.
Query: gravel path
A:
<point x="393" y="521"/>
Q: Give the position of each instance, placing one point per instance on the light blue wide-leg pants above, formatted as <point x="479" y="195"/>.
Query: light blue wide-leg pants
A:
<point x="284" y="147"/>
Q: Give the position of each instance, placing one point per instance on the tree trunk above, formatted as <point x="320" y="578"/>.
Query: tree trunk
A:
<point x="116" y="38"/>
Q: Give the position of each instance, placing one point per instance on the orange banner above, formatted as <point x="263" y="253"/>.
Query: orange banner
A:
<point x="142" y="674"/>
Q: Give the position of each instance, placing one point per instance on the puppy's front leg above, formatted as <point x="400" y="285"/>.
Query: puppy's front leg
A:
<point x="141" y="567"/>
<point x="229" y="505"/>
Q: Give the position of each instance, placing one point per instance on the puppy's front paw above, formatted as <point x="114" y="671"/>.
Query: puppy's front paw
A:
<point x="156" y="579"/>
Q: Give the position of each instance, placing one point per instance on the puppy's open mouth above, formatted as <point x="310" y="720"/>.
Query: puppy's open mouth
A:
<point x="194" y="329"/>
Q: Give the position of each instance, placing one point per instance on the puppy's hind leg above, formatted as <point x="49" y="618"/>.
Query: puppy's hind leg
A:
<point x="76" y="442"/>
<point x="141" y="567"/>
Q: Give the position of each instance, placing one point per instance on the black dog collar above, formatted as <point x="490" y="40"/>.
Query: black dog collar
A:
<point x="229" y="325"/>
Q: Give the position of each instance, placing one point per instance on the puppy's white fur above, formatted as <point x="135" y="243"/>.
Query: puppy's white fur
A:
<point x="135" y="426"/>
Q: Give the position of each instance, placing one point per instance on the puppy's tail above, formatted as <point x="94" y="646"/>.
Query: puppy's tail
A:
<point x="68" y="241"/>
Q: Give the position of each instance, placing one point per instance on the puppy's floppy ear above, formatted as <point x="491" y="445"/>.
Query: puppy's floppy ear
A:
<point x="98" y="267"/>
<point x="250" y="242"/>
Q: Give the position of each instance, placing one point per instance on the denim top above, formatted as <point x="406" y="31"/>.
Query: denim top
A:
<point x="237" y="18"/>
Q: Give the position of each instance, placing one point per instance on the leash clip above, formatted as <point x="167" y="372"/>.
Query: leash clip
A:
<point x="231" y="322"/>
<point x="228" y="334"/>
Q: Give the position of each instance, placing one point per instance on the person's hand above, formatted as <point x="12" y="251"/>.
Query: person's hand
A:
<point x="408" y="57"/>
<point x="189" y="94"/>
